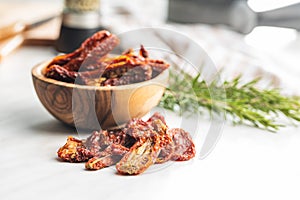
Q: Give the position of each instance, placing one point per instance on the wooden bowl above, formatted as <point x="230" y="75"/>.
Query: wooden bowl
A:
<point x="94" y="107"/>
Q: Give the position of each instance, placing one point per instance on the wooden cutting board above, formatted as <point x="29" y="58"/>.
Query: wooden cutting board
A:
<point x="30" y="12"/>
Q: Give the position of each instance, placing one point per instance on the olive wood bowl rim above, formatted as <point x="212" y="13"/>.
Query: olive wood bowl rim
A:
<point x="39" y="69"/>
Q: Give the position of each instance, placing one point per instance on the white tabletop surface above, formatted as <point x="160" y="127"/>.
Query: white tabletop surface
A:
<point x="247" y="163"/>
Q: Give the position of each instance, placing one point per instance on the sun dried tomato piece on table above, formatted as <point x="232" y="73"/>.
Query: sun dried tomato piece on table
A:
<point x="184" y="148"/>
<point x="74" y="151"/>
<point x="139" y="158"/>
<point x="97" y="141"/>
<point x="159" y="124"/>
<point x="151" y="137"/>
<point x="133" y="148"/>
<point x="110" y="156"/>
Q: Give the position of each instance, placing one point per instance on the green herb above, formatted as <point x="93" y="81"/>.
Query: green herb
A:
<point x="245" y="103"/>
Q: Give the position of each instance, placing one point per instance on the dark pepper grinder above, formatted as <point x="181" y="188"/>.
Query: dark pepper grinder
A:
<point x="80" y="20"/>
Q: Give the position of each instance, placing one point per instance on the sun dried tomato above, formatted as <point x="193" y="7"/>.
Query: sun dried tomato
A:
<point x="61" y="74"/>
<point x="165" y="154"/>
<point x="157" y="66"/>
<point x="110" y="156"/>
<point x="133" y="149"/>
<point x="90" y="65"/>
<point x="137" y="128"/>
<point x="152" y="138"/>
<point x="139" y="158"/>
<point x="155" y="116"/>
<point x="96" y="163"/>
<point x="184" y="148"/>
<point x="90" y="51"/>
<point x="118" y="136"/>
<point x="97" y="141"/>
<point x="74" y="151"/>
<point x="143" y="52"/>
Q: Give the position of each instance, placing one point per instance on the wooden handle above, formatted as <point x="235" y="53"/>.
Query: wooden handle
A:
<point x="9" y="45"/>
<point x="11" y="30"/>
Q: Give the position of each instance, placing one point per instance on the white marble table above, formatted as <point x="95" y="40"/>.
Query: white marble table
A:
<point x="247" y="163"/>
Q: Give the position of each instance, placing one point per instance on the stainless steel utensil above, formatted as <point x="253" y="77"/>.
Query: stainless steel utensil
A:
<point x="233" y="13"/>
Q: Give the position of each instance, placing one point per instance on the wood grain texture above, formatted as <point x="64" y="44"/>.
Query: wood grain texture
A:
<point x="90" y="107"/>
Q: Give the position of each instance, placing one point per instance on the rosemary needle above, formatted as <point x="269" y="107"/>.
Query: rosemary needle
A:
<point x="245" y="103"/>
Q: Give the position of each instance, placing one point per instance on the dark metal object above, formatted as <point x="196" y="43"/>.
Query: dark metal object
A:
<point x="233" y="13"/>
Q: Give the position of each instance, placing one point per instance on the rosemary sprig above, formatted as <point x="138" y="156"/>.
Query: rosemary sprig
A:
<point x="245" y="103"/>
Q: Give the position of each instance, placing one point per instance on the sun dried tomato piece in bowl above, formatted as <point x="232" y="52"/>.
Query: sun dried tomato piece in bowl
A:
<point x="91" y="65"/>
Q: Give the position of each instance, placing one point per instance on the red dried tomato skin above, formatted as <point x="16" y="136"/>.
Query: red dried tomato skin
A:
<point x="74" y="151"/>
<point x="158" y="66"/>
<point x="97" y="141"/>
<point x="107" y="148"/>
<point x="184" y="148"/>
<point x="118" y="149"/>
<point x="96" y="163"/>
<point x="101" y="45"/>
<point x="136" y="162"/>
<point x="152" y="138"/>
<point x="88" y="55"/>
<point x="143" y="52"/>
<point x="155" y="116"/>
<point x="89" y="64"/>
<point x="187" y="155"/>
<point x="61" y="74"/>
<point x="165" y="154"/>
<point x="64" y="59"/>
<point x="133" y="149"/>
<point x="138" y="129"/>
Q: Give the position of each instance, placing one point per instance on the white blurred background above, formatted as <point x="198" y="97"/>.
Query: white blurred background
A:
<point x="271" y="51"/>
